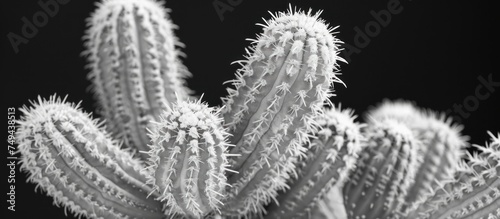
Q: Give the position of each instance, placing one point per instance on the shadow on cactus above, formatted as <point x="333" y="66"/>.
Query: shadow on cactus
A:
<point x="275" y="149"/>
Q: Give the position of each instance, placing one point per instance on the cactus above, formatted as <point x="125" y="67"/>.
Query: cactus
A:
<point x="384" y="172"/>
<point x="441" y="152"/>
<point x="287" y="147"/>
<point x="442" y="144"/>
<point x="328" y="162"/>
<point x="72" y="159"/>
<point x="188" y="159"/>
<point x="279" y="92"/>
<point x="474" y="193"/>
<point x="134" y="66"/>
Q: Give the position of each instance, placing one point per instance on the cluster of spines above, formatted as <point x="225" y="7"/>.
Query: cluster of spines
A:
<point x="475" y="191"/>
<point x="188" y="159"/>
<point x="384" y="172"/>
<point x="279" y="92"/>
<point x="329" y="159"/>
<point x="71" y="158"/>
<point x="134" y="66"/>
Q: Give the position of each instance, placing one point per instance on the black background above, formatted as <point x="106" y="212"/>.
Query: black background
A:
<point x="432" y="53"/>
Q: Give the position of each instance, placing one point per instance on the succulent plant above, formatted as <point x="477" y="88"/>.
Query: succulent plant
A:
<point x="278" y="95"/>
<point x="274" y="149"/>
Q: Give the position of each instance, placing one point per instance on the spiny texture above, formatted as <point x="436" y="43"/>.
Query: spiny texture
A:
<point x="475" y="192"/>
<point x="188" y="159"/>
<point x="401" y="110"/>
<point x="135" y="68"/>
<point x="384" y="172"/>
<point x="279" y="92"/>
<point x="74" y="161"/>
<point x="328" y="161"/>
<point x="441" y="150"/>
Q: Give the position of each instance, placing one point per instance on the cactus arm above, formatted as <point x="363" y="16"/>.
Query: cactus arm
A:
<point x="441" y="151"/>
<point x="65" y="153"/>
<point x="135" y="69"/>
<point x="279" y="92"/>
<point x="442" y="143"/>
<point x="385" y="171"/>
<point x="188" y="159"/>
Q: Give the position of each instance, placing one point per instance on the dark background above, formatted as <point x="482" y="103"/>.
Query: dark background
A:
<point x="432" y="53"/>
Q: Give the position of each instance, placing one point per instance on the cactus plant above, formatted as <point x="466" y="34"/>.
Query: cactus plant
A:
<point x="286" y="148"/>
<point x="475" y="191"/>
<point x="134" y="66"/>
<point x="328" y="161"/>
<point x="188" y="159"/>
<point x="71" y="158"/>
<point x="279" y="92"/>
<point x="384" y="172"/>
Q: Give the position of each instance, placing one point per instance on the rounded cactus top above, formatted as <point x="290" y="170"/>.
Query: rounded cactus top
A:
<point x="188" y="118"/>
<point x="297" y="24"/>
<point x="443" y="127"/>
<point x="149" y="4"/>
<point x="300" y="21"/>
<point x="188" y="158"/>
<point x="402" y="110"/>
<point x="341" y="119"/>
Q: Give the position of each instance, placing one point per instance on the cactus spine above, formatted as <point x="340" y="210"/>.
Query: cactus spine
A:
<point x="384" y="172"/>
<point x="279" y="92"/>
<point x="134" y="63"/>
<point x="188" y="159"/>
<point x="75" y="162"/>
<point x="475" y="192"/>
<point x="328" y="162"/>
